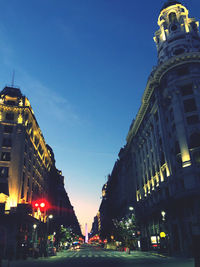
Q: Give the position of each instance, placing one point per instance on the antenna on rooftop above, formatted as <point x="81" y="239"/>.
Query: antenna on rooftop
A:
<point x="13" y="78"/>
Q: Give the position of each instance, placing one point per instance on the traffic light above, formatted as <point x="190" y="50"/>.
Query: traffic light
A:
<point x="40" y="205"/>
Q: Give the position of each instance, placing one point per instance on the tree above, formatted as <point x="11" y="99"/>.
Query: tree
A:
<point x="64" y="235"/>
<point x="125" y="230"/>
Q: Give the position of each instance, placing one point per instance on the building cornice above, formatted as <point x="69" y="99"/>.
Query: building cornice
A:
<point x="154" y="81"/>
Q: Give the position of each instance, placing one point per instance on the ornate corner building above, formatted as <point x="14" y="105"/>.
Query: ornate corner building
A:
<point x="165" y="137"/>
<point x="163" y="143"/>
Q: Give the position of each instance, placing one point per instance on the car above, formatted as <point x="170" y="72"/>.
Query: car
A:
<point x="75" y="245"/>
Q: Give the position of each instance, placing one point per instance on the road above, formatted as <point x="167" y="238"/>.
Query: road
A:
<point x="91" y="256"/>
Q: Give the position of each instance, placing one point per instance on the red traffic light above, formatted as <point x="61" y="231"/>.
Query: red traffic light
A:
<point x="41" y="205"/>
<point x="36" y="205"/>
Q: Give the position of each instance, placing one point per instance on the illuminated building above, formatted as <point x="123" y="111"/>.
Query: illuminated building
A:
<point x="161" y="159"/>
<point x="165" y="136"/>
<point x="28" y="174"/>
<point x="25" y="160"/>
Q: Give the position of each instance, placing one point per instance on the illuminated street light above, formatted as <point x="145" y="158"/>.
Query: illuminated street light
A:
<point x="163" y="213"/>
<point x="34" y="226"/>
<point x="130" y="208"/>
<point x="50" y="216"/>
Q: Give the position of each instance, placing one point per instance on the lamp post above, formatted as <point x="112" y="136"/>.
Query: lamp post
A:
<point x="49" y="218"/>
<point x="34" y="238"/>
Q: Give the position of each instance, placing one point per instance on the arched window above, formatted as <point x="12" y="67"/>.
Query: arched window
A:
<point x="195" y="140"/>
<point x="172" y="17"/>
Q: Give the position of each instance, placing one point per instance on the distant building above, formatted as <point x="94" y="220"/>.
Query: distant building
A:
<point x="163" y="144"/>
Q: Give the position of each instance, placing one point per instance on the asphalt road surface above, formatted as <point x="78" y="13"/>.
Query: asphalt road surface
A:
<point x="93" y="256"/>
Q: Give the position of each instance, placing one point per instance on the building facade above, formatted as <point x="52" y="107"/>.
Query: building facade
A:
<point x="163" y="143"/>
<point x="25" y="159"/>
<point x="28" y="174"/>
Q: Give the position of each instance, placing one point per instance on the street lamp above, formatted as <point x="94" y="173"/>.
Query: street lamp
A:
<point x="34" y="235"/>
<point x="163" y="213"/>
<point x="48" y="219"/>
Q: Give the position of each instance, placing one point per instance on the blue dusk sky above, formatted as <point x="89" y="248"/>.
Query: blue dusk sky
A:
<point x="84" y="65"/>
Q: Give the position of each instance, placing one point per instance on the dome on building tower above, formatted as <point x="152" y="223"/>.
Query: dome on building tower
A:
<point x="170" y="3"/>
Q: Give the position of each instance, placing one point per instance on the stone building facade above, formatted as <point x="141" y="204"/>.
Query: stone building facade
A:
<point x="25" y="159"/>
<point x="163" y="143"/>
<point x="28" y="174"/>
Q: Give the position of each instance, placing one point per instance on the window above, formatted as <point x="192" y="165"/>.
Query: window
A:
<point x="194" y="26"/>
<point x="197" y="157"/>
<point x="4" y="172"/>
<point x="195" y="140"/>
<point x="156" y="116"/>
<point x="179" y="51"/>
<point x="162" y="158"/>
<point x="27" y="196"/>
<point x="5" y="156"/>
<point x="186" y="90"/>
<point x="171" y="114"/>
<point x="189" y="105"/>
<point x="26" y="116"/>
<point x="174" y="27"/>
<point x="25" y="148"/>
<point x="172" y="17"/>
<point x="7" y="142"/>
<point x="177" y="147"/>
<point x="36" y="141"/>
<point x="182" y="71"/>
<point x="10" y="103"/>
<point x="192" y="119"/>
<point x="8" y="128"/>
<point x="10" y="116"/>
<point x="22" y="192"/>
<point x="29" y="167"/>
<point x="173" y="127"/>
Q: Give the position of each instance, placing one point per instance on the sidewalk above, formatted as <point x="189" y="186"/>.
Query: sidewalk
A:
<point x="7" y="263"/>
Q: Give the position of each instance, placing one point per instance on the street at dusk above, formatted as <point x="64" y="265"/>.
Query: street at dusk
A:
<point x="100" y="133"/>
<point x="91" y="256"/>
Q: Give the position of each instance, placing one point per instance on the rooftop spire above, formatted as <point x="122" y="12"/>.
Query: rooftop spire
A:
<point x="13" y="78"/>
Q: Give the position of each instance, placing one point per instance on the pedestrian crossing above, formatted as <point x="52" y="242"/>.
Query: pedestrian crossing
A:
<point x="99" y="255"/>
